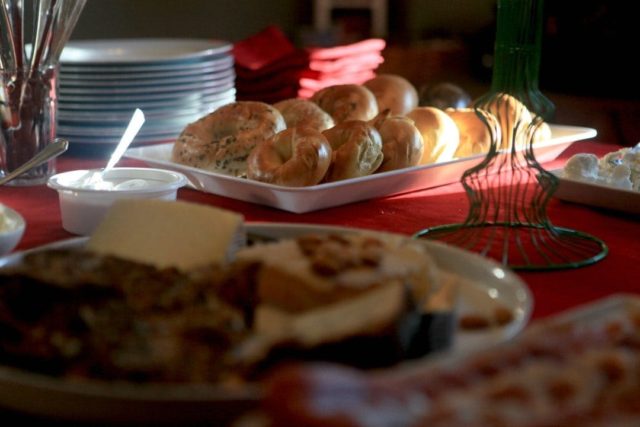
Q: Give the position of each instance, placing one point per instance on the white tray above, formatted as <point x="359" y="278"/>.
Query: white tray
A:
<point x="596" y="194"/>
<point x="307" y="199"/>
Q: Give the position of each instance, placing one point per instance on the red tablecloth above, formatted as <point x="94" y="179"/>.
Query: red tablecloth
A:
<point x="553" y="291"/>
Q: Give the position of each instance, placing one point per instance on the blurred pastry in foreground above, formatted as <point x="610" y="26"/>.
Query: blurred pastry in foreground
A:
<point x="440" y="134"/>
<point x="347" y="102"/>
<point x="394" y="93"/>
<point x="222" y="140"/>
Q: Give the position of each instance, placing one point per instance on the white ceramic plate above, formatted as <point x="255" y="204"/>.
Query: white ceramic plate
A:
<point x="134" y="82"/>
<point x="123" y="70"/>
<point x="123" y="118"/>
<point x="219" y="65"/>
<point x="486" y="283"/>
<point x="128" y="98"/>
<point x="307" y="199"/>
<point x="596" y="194"/>
<point x="173" y="104"/>
<point x="132" y="51"/>
<point x="143" y="93"/>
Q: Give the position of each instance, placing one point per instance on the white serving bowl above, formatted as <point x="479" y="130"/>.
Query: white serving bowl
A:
<point x="12" y="226"/>
<point x="86" y="195"/>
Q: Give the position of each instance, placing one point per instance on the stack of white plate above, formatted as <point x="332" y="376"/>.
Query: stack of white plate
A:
<point x="173" y="81"/>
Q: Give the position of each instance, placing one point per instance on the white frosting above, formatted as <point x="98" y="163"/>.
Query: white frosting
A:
<point x="620" y="169"/>
<point x="95" y="180"/>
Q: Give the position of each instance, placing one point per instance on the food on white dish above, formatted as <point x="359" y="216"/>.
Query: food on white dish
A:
<point x="440" y="135"/>
<point x="168" y="234"/>
<point x="356" y="150"/>
<point x="402" y="144"/>
<point x="295" y="157"/>
<point x="222" y="140"/>
<point x="320" y="296"/>
<point x="347" y="102"/>
<point x="393" y="93"/>
<point x="302" y="112"/>
<point x="620" y="168"/>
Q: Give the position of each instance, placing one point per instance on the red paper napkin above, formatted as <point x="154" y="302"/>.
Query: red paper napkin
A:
<point x="262" y="49"/>
<point x="270" y="68"/>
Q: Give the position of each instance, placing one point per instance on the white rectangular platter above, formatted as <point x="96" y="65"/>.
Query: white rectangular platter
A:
<point x="308" y="199"/>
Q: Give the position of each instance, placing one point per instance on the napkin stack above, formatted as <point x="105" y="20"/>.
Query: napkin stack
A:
<point x="270" y="68"/>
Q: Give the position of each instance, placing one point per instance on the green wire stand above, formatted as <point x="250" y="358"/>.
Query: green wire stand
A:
<point x="509" y="190"/>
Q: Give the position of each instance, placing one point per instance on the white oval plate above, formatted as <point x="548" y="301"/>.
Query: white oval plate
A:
<point x="485" y="284"/>
<point x="134" y="51"/>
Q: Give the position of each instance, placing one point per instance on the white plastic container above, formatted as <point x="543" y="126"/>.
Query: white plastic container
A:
<point x="86" y="195"/>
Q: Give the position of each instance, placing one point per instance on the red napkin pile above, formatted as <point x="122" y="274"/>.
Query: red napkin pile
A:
<point x="270" y="68"/>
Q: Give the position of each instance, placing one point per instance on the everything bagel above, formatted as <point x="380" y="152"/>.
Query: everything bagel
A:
<point x="222" y="140"/>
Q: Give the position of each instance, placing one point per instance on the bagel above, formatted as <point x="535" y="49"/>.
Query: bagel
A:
<point x="357" y="150"/>
<point x="295" y="157"/>
<point x="394" y="93"/>
<point x="402" y="144"/>
<point x="542" y="134"/>
<point x="440" y="134"/>
<point x="222" y="140"/>
<point x="347" y="102"/>
<point x="475" y="137"/>
<point x="302" y="112"/>
<point x="513" y="117"/>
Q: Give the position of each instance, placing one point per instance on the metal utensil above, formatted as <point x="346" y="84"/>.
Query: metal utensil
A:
<point x="57" y="147"/>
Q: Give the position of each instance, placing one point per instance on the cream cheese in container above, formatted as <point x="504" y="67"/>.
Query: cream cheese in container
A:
<point x="86" y="195"/>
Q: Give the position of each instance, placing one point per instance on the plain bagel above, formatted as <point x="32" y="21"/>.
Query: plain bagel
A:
<point x="357" y="150"/>
<point x="439" y="132"/>
<point x="347" y="102"/>
<point x="302" y="112"/>
<point x="402" y="145"/>
<point x="394" y="93"/>
<point x="475" y="137"/>
<point x="295" y="157"/>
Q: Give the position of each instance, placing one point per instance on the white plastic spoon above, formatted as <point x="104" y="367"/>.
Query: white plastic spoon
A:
<point x="137" y="120"/>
